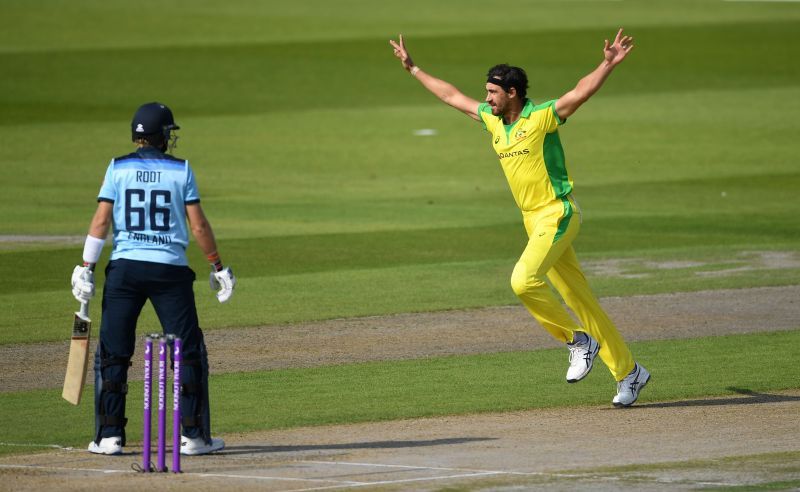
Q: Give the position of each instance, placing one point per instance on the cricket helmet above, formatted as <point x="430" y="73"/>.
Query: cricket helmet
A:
<point x="153" y="119"/>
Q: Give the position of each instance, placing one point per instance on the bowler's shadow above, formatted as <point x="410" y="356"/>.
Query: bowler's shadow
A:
<point x="749" y="398"/>
<point x="251" y="449"/>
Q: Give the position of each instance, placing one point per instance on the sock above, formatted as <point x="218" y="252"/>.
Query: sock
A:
<point x="579" y="337"/>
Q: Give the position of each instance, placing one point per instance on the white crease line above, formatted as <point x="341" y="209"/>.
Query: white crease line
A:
<point x="443" y="477"/>
<point x="345" y="483"/>
<point x="467" y="470"/>
<point x="342" y="483"/>
<point x="339" y="483"/>
<point x="508" y="472"/>
<point x="378" y="465"/>
<point x="65" y="468"/>
<point x="34" y="445"/>
<point x="406" y="480"/>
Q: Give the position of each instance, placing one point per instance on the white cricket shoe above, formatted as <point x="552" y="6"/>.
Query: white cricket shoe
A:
<point x="108" y="445"/>
<point x="581" y="358"/>
<point x="195" y="446"/>
<point x="629" y="388"/>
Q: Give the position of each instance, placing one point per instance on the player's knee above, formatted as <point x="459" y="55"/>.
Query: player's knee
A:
<point x="115" y="368"/>
<point x="522" y="281"/>
<point x="517" y="283"/>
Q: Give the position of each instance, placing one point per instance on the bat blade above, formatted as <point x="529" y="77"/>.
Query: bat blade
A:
<point x="78" y="362"/>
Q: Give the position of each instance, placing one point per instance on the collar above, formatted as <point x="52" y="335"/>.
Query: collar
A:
<point x="525" y="112"/>
<point x="527" y="109"/>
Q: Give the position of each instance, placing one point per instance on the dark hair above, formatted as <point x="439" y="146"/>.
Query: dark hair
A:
<point x="157" y="140"/>
<point x="510" y="77"/>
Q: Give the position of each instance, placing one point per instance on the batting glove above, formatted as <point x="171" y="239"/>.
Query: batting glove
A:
<point x="223" y="282"/>
<point x="82" y="283"/>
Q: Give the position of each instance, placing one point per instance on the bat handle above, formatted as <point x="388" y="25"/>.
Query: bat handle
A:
<point x="84" y="312"/>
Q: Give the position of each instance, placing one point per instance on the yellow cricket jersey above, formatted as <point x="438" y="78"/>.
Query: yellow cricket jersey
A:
<point x="531" y="154"/>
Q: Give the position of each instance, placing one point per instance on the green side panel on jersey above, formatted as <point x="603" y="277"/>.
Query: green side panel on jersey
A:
<point x="556" y="166"/>
<point x="484" y="108"/>
<point x="564" y="223"/>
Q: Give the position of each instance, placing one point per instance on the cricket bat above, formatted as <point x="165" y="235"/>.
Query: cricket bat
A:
<point x="78" y="356"/>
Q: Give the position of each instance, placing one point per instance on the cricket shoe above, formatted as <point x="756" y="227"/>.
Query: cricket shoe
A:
<point x="581" y="357"/>
<point x="107" y="445"/>
<point x="629" y="388"/>
<point x="195" y="446"/>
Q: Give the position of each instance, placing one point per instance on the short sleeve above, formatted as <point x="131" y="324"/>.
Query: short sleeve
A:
<point x="546" y="117"/>
<point x="191" y="194"/>
<point x="108" y="192"/>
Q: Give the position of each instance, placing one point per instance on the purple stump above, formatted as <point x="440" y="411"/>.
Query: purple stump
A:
<point x="176" y="405"/>
<point x="148" y="379"/>
<point x="161" y="465"/>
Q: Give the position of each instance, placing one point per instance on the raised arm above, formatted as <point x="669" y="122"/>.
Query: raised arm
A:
<point x="445" y="91"/>
<point x="613" y="55"/>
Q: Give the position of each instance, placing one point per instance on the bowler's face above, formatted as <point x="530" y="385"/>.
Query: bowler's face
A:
<point x="497" y="98"/>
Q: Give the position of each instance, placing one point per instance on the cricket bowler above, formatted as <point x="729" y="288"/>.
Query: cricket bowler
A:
<point x="148" y="196"/>
<point x="525" y="138"/>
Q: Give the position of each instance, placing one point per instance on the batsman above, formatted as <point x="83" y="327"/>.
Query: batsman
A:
<point x="148" y="196"/>
<point x="526" y="140"/>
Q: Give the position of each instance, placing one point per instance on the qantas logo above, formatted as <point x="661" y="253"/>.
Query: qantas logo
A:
<point x="516" y="153"/>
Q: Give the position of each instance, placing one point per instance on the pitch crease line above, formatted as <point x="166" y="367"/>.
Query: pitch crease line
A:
<point x="34" y="445"/>
<point x="406" y="480"/>
<point x="467" y="470"/>
<point x="342" y="483"/>
<point x="65" y="468"/>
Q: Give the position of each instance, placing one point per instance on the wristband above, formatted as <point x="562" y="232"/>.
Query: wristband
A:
<point x="414" y="71"/>
<point x="92" y="249"/>
<point x="214" y="261"/>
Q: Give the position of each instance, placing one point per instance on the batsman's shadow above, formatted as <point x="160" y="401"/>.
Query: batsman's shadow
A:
<point x="749" y="397"/>
<point x="252" y="449"/>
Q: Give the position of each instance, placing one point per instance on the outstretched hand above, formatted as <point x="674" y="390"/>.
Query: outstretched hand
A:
<point x="617" y="51"/>
<point x="401" y="53"/>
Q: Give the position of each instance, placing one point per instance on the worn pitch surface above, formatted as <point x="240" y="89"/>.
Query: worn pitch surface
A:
<point x="711" y="442"/>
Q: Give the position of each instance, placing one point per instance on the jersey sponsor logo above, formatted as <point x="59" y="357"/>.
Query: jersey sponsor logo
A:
<point x="496" y="140"/>
<point x="516" y="153"/>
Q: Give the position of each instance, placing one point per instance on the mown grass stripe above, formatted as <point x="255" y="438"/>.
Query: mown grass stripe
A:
<point x="260" y="70"/>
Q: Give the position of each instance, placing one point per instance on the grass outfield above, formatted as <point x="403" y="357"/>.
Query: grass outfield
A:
<point x="293" y="219"/>
<point x="377" y="391"/>
<point x="300" y="126"/>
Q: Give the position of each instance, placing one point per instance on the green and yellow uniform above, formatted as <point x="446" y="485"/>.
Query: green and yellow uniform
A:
<point x="532" y="158"/>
